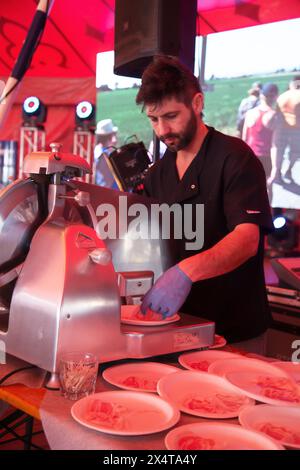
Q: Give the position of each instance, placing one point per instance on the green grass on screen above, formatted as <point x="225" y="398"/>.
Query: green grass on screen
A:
<point x="220" y="110"/>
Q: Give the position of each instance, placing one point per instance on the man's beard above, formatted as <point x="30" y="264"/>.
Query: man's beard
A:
<point x="184" y="138"/>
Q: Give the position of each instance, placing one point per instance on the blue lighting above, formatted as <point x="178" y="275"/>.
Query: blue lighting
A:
<point x="279" y="222"/>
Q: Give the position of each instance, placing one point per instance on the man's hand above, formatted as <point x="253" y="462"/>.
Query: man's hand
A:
<point x="168" y="293"/>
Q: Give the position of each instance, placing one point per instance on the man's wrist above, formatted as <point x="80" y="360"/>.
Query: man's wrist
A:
<point x="184" y="267"/>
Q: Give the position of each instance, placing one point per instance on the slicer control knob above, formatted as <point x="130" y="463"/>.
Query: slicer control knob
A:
<point x="82" y="197"/>
<point x="55" y="147"/>
<point x="101" y="256"/>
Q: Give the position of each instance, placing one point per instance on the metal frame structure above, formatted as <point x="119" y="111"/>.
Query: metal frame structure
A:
<point x="9" y="426"/>
<point x="83" y="146"/>
<point x="32" y="139"/>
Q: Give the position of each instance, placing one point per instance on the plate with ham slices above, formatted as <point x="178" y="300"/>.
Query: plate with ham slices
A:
<point x="138" y="376"/>
<point x="219" y="342"/>
<point x="132" y="315"/>
<point x="292" y="368"/>
<point x="200" y="394"/>
<point x="281" y="423"/>
<point x="201" y="360"/>
<point x="125" y="413"/>
<point x="217" y="436"/>
<point x="262" y="381"/>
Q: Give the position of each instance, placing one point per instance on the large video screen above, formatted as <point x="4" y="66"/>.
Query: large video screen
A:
<point x="241" y="68"/>
<point x="269" y="122"/>
<point x="252" y="83"/>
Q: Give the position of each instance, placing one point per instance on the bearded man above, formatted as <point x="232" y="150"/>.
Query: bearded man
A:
<point x="224" y="280"/>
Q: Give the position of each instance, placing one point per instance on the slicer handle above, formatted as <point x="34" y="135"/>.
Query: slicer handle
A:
<point x="82" y="198"/>
<point x="101" y="256"/>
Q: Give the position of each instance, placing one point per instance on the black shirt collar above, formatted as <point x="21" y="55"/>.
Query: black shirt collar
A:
<point x="187" y="187"/>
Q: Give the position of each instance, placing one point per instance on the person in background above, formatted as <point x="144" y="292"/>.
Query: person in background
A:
<point x="259" y="125"/>
<point x="287" y="132"/>
<point x="223" y="280"/>
<point x="106" y="142"/>
<point x="247" y="103"/>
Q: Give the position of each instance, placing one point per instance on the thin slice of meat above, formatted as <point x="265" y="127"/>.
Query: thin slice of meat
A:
<point x="202" y="365"/>
<point x="192" y="442"/>
<point x="280" y="433"/>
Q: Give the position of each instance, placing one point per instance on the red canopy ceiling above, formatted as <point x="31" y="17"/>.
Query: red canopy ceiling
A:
<point x="77" y="29"/>
<point x="223" y="15"/>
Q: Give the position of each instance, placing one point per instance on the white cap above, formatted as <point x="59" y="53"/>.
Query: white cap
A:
<point x="105" y="127"/>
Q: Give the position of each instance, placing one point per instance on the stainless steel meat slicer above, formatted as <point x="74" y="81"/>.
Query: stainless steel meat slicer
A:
<point x="62" y="286"/>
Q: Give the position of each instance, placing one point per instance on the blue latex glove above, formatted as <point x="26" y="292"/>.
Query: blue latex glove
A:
<point x="168" y="293"/>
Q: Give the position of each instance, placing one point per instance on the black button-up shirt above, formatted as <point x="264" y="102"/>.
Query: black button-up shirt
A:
<point x="229" y="180"/>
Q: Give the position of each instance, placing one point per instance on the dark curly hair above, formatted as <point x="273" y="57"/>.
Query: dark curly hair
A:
<point x="166" y="77"/>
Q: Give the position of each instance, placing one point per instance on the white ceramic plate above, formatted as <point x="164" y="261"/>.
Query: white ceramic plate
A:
<point x="292" y="368"/>
<point x="138" y="376"/>
<point x="262" y="381"/>
<point x="125" y="413"/>
<point x="201" y="360"/>
<point x="220" y="341"/>
<point x="201" y="394"/>
<point x="129" y="317"/>
<point x="281" y="423"/>
<point x="217" y="436"/>
<point x="222" y="367"/>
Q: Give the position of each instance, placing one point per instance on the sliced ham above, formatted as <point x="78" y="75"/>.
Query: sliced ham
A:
<point x="191" y="442"/>
<point x="280" y="433"/>
<point x="202" y="365"/>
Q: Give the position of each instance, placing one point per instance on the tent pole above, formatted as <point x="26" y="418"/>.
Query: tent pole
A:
<point x="12" y="85"/>
<point x="203" y="60"/>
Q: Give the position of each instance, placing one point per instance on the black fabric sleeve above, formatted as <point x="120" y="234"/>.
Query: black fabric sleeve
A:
<point x="245" y="193"/>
